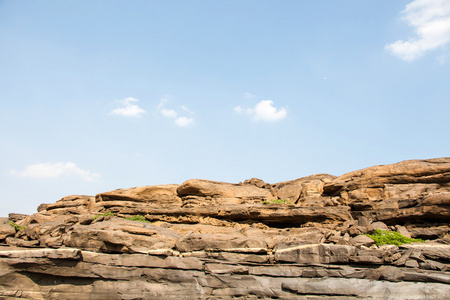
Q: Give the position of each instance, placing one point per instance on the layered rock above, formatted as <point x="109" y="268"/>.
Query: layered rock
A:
<point x="213" y="240"/>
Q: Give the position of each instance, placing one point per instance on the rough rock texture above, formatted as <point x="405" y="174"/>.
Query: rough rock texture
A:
<point x="299" y="239"/>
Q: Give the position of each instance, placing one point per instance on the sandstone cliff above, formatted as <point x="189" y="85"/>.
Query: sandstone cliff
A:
<point x="299" y="239"/>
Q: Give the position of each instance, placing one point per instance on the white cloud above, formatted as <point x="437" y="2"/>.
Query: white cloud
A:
<point x="128" y="109"/>
<point x="184" y="122"/>
<point x="162" y="102"/>
<point x="249" y="95"/>
<point x="173" y="114"/>
<point x="170" y="113"/>
<point x="183" y="107"/>
<point x="431" y="20"/>
<point x="263" y="111"/>
<point x="55" y="170"/>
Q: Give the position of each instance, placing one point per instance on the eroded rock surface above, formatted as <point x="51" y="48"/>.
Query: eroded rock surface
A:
<point x="212" y="240"/>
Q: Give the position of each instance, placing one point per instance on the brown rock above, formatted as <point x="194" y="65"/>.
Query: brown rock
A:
<point x="391" y="273"/>
<point x="430" y="232"/>
<point x="411" y="263"/>
<point x="6" y="230"/>
<point x="258" y="183"/>
<point x="437" y="199"/>
<point x="303" y="188"/>
<point x="218" y="242"/>
<point x="161" y="195"/>
<point x="316" y="253"/>
<point x="16" y="217"/>
<point x="208" y="188"/>
<point x="379" y="225"/>
<point x="403" y="231"/>
<point x="75" y="204"/>
<point x="406" y="172"/>
<point x="362" y="240"/>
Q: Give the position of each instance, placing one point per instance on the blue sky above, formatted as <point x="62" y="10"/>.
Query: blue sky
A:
<point x="99" y="95"/>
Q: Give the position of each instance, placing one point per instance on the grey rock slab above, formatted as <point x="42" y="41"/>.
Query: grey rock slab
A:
<point x="316" y="253"/>
<point x="225" y="268"/>
<point x="276" y="271"/>
<point x="433" y="265"/>
<point x="427" y="277"/>
<point x="142" y="260"/>
<point x="433" y="251"/>
<point x="411" y="263"/>
<point x="65" y="253"/>
<point x="368" y="289"/>
<point x="221" y="242"/>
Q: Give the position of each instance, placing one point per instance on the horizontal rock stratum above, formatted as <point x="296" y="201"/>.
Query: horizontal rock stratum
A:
<point x="299" y="239"/>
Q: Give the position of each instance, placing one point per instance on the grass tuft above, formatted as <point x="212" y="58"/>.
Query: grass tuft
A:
<point x="108" y="213"/>
<point x="17" y="227"/>
<point x="277" y="201"/>
<point x="138" y="218"/>
<point x="391" y="238"/>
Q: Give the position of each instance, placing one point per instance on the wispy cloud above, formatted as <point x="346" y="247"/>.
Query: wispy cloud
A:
<point x="169" y="113"/>
<point x="249" y="95"/>
<point x="263" y="111"/>
<point x="55" y="170"/>
<point x="128" y="109"/>
<point x="184" y="121"/>
<point x="181" y="121"/>
<point x="431" y="20"/>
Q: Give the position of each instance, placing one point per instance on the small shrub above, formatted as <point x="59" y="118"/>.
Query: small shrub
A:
<point x="138" y="218"/>
<point x="108" y="213"/>
<point x="17" y="227"/>
<point x="391" y="238"/>
<point x="277" y="201"/>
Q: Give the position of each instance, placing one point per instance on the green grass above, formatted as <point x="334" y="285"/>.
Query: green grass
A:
<point x="391" y="238"/>
<point x="138" y="218"/>
<point x="16" y="226"/>
<point x="277" y="201"/>
<point x="132" y="218"/>
<point x="108" y="213"/>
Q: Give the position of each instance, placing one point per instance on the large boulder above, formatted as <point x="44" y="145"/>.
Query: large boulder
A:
<point x="223" y="191"/>
<point x="136" y="200"/>
<point x="74" y="204"/>
<point x="302" y="188"/>
<point x="373" y="180"/>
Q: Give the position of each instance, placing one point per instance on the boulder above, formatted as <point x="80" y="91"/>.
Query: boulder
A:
<point x="6" y="230"/>
<point x="227" y="191"/>
<point x="302" y="188"/>
<point x="75" y="204"/>
<point x="407" y="172"/>
<point x="362" y="240"/>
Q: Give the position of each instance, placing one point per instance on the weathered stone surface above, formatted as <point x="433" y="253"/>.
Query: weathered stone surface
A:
<point x="438" y="252"/>
<point x="16" y="217"/>
<point x="302" y="188"/>
<point x="406" y="172"/>
<point x="6" y="230"/>
<point x="228" y="191"/>
<point x="218" y="242"/>
<point x="113" y="236"/>
<point x="213" y="240"/>
<point x="316" y="254"/>
<point x="362" y="240"/>
<point x="75" y="204"/>
<point x="363" y="288"/>
<point x="162" y="195"/>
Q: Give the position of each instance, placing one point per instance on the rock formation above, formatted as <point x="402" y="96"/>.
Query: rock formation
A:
<point x="299" y="239"/>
